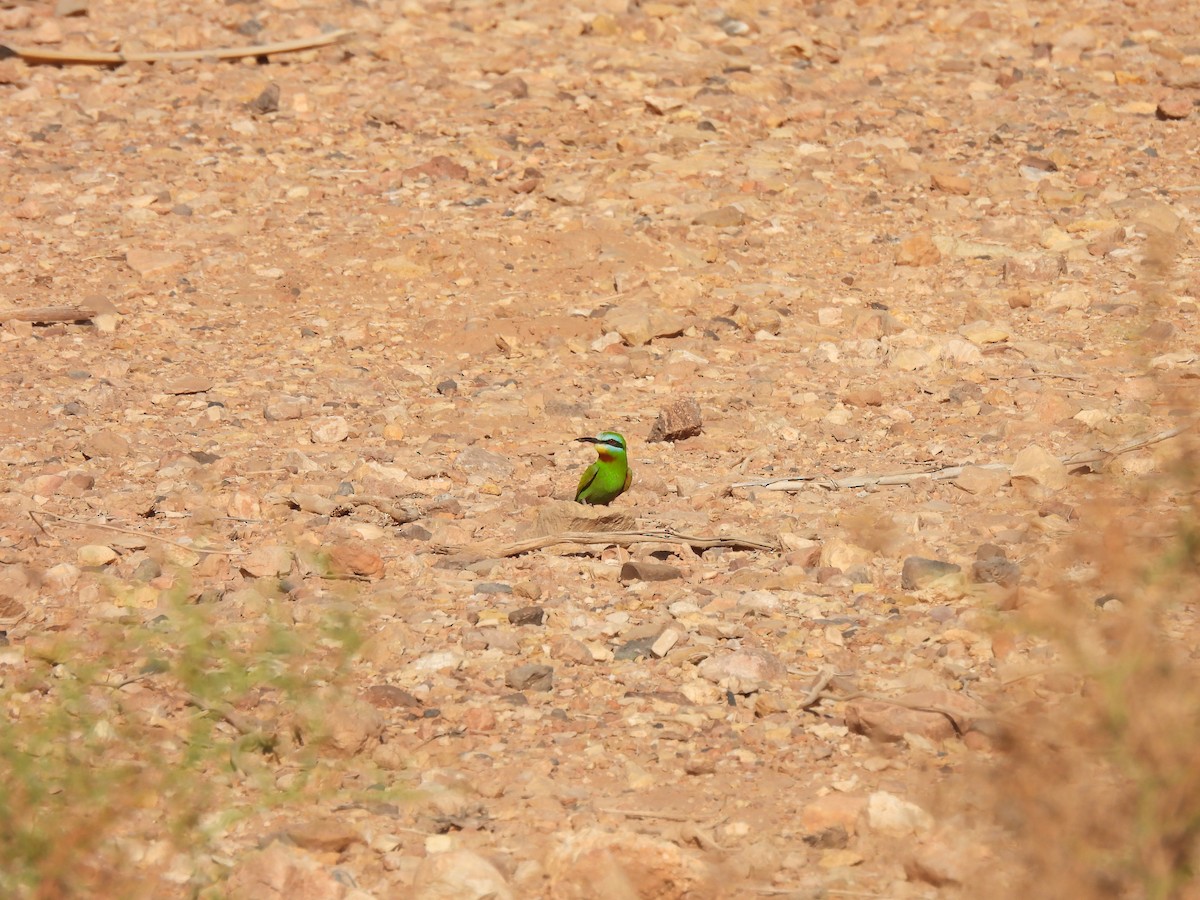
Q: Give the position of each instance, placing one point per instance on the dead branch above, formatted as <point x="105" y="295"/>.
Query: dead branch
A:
<point x="42" y="315"/>
<point x="130" y="531"/>
<point x="625" y="538"/>
<point x="36" y="55"/>
<point x="947" y="473"/>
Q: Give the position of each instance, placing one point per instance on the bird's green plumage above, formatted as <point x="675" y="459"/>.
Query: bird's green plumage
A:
<point x="609" y="476"/>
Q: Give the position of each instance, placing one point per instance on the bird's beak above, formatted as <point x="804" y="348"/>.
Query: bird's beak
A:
<point x="587" y="440"/>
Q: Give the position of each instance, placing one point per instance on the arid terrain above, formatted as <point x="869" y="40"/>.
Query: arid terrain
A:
<point x="288" y="610"/>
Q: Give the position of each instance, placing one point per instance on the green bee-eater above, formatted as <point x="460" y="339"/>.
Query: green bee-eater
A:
<point x="609" y="476"/>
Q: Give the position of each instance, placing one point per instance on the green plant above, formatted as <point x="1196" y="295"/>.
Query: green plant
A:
<point x="128" y="738"/>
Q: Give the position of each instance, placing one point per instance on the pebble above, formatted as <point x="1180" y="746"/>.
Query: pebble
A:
<point x="918" y="250"/>
<point x="919" y="572"/>
<point x="895" y="816"/>
<point x="105" y="444"/>
<point x="677" y="421"/>
<point x="648" y="571"/>
<point x="1040" y="467"/>
<point x="152" y="262"/>
<point x="743" y="671"/>
<point x="527" y="615"/>
<point x="459" y="875"/>
<point x="330" y="430"/>
<point x="478" y="461"/>
<point x="531" y="677"/>
<point x="96" y="555"/>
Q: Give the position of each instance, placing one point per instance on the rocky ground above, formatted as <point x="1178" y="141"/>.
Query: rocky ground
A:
<point x="346" y="310"/>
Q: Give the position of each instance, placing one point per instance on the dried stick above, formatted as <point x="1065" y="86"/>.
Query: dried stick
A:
<point x="141" y="534"/>
<point x="98" y="58"/>
<point x="625" y="538"/>
<point x="817" y="692"/>
<point x="43" y="314"/>
<point x="946" y="473"/>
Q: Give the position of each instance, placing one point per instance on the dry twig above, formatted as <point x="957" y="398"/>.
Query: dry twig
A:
<point x="141" y="534"/>
<point x="625" y="538"/>
<point x="946" y="473"/>
<point x="43" y="314"/>
<point x="35" y="55"/>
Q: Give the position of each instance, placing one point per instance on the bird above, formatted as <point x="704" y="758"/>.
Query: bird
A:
<point x="609" y="476"/>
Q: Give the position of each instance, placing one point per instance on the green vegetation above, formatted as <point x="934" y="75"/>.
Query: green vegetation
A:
<point x="123" y="749"/>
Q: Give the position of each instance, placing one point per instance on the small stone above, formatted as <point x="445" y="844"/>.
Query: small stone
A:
<point x="895" y="816"/>
<point x="477" y="461"/>
<point x="918" y="250"/>
<point x="1173" y="107"/>
<point x="863" y="396"/>
<point x="447" y="387"/>
<point x="743" y="671"/>
<point x="458" y="875"/>
<point x="839" y="858"/>
<point x="919" y="572"/>
<point x="284" y="408"/>
<point x="648" y="571"/>
<point x="665" y="641"/>
<point x="911" y="359"/>
<point x="1040" y="467"/>
<point x="104" y="444"/>
<point x="189" y="384"/>
<point x="355" y="559"/>
<point x="833" y="812"/>
<point x="243" y="505"/>
<point x="531" y="677"/>
<point x="678" y="420"/>
<point x="980" y="480"/>
<point x="330" y="430"/>
<point x="388" y="696"/>
<point x="594" y="863"/>
<point x="951" y="184"/>
<point x="151" y="262"/>
<point x="568" y="649"/>
<point x="439" y="168"/>
<point x="639" y="323"/>
<point x="346" y="728"/>
<point x="66" y="8"/>
<point x="996" y="570"/>
<point x="513" y="85"/>
<point x="638" y="648"/>
<point x="841" y="555"/>
<point x="936" y="715"/>
<point x="267" y="562"/>
<point x="527" y="615"/>
<point x="266" y="102"/>
<point x="981" y="333"/>
<point x="281" y="873"/>
<point x="724" y="217"/>
<point x="326" y="835"/>
<point x="96" y="555"/>
<point x="1033" y="268"/>
<point x="943" y="861"/>
<point x="61" y="577"/>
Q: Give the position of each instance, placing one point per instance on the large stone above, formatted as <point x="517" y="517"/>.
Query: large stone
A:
<point x="625" y="865"/>
<point x="743" y="671"/>
<point x="282" y="873"/>
<point x="678" y="420"/>
<point x="459" y="875"/>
